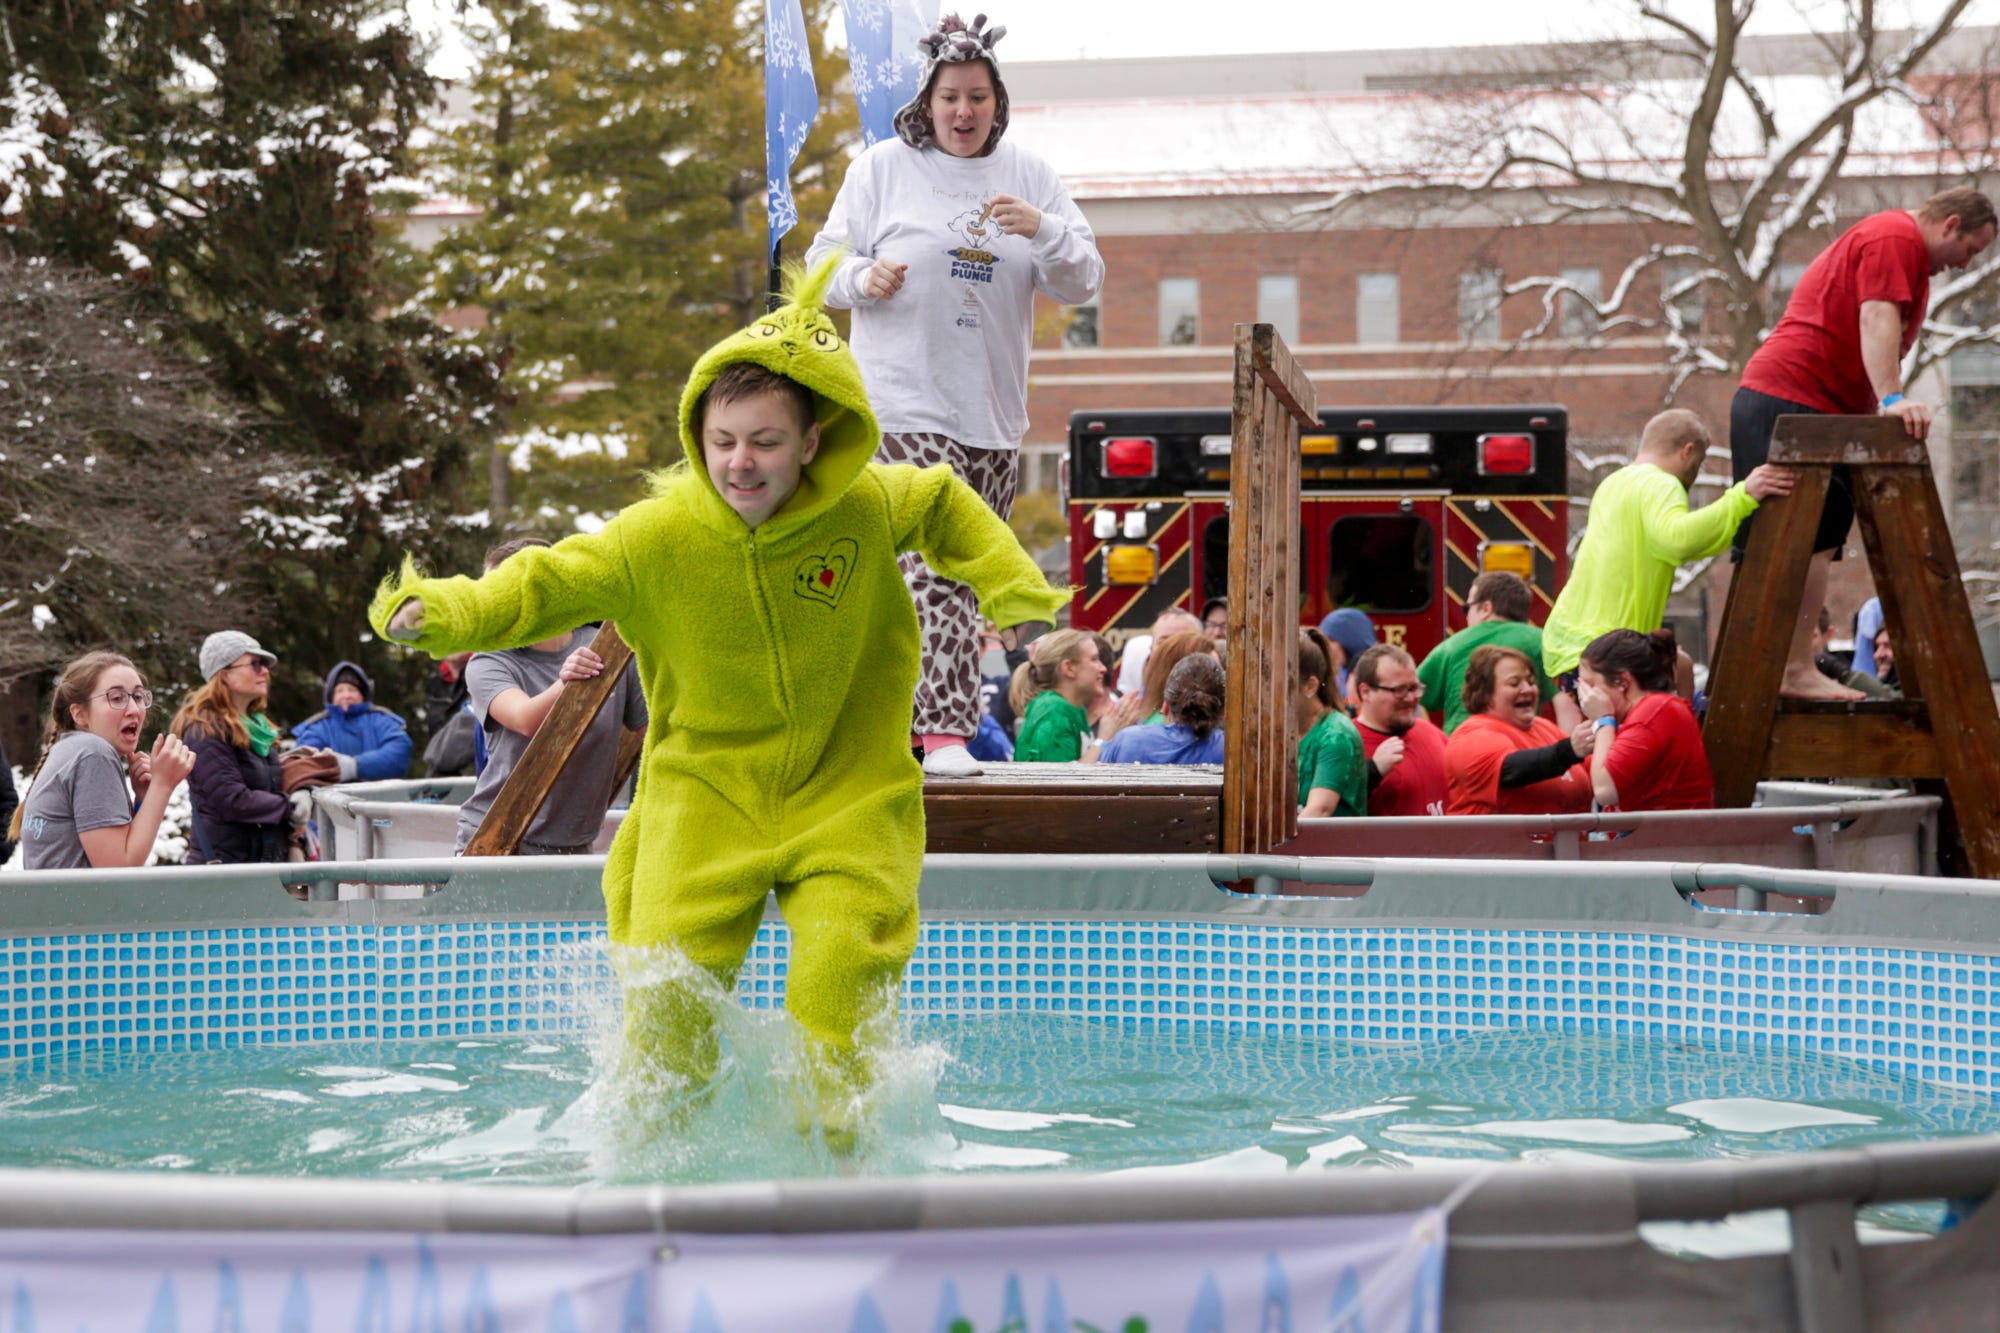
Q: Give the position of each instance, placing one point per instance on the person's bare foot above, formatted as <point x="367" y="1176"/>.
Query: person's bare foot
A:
<point x="1810" y="683"/>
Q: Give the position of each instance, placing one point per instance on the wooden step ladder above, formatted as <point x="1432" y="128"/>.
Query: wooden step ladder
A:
<point x="1945" y="727"/>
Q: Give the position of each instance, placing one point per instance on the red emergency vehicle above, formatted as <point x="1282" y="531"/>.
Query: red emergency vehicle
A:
<point x="1400" y="509"/>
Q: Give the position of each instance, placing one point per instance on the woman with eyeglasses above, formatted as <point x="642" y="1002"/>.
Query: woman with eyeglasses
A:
<point x="241" y="812"/>
<point x="79" y="814"/>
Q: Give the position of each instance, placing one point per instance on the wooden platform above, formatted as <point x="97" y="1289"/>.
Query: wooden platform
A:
<point x="1077" y="808"/>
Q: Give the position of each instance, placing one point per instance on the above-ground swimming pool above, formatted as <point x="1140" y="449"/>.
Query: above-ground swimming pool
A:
<point x="1561" y="1053"/>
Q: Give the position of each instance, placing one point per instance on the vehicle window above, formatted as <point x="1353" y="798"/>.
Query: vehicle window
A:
<point x="1380" y="562"/>
<point x="1215" y="561"/>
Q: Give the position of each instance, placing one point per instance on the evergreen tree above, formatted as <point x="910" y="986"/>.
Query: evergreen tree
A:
<point x="229" y="157"/>
<point x="620" y="166"/>
<point x="123" y="477"/>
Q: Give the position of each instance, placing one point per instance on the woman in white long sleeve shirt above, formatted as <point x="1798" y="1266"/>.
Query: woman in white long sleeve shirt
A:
<point x="948" y="234"/>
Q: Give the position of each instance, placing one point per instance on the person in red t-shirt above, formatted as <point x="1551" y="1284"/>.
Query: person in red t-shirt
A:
<point x="1647" y="754"/>
<point x="1506" y="758"/>
<point x="1405" y="750"/>
<point x="1839" y="349"/>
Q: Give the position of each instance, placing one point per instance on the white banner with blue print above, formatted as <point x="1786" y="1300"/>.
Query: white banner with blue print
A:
<point x="791" y="102"/>
<point x="61" y="1281"/>
<point x="1382" y="1274"/>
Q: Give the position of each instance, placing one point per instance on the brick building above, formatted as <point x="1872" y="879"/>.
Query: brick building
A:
<point x="1199" y="175"/>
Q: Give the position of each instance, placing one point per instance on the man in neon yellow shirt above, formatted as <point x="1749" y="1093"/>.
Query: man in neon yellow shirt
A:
<point x="1640" y="531"/>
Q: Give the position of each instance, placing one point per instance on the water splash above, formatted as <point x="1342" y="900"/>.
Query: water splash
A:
<point x="756" y="1116"/>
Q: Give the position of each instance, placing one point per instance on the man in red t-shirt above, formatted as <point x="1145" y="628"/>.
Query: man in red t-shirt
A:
<point x="1839" y="349"/>
<point x="1405" y="750"/>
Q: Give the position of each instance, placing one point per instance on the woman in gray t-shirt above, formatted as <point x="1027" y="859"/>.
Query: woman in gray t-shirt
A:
<point x="78" y="813"/>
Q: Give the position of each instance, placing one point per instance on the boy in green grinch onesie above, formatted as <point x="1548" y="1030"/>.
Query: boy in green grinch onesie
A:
<point x="779" y="651"/>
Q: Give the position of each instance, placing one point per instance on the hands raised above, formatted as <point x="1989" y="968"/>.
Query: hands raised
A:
<point x="170" y="761"/>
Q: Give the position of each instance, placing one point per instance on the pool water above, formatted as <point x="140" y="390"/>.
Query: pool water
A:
<point x="1010" y="1093"/>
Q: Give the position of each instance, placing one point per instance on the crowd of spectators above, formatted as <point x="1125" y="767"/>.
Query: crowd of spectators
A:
<point x="1469" y="730"/>
<point x="97" y="795"/>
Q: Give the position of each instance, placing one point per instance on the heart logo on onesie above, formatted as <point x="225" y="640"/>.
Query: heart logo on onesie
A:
<point x="823" y="578"/>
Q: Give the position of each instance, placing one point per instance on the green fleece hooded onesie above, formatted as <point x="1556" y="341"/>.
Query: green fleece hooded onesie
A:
<point x="778" y="665"/>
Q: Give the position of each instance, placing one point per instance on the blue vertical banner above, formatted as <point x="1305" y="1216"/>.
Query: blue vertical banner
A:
<point x="882" y="37"/>
<point x="791" y="101"/>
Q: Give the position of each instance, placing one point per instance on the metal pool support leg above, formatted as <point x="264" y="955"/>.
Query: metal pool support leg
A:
<point x="1826" y="1267"/>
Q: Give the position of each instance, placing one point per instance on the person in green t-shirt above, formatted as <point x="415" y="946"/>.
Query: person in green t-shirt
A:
<point x="1333" y="777"/>
<point x="1640" y="531"/>
<point x="1496" y="611"/>
<point x="1052" y="693"/>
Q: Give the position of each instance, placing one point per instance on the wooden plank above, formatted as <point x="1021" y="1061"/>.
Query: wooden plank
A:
<point x="1756" y="634"/>
<point x="1857" y="745"/>
<point x="1920" y="571"/>
<point x="1277" y="710"/>
<point x="631" y="747"/>
<point x="1856" y="441"/>
<point x="1085" y="779"/>
<point x="1011" y="791"/>
<point x="549" y="751"/>
<point x="1283" y="376"/>
<point x="1104" y="824"/>
<point x="1238" y="745"/>
<point x="1245" y="737"/>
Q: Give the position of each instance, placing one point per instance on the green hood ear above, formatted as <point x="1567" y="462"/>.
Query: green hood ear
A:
<point x="798" y="341"/>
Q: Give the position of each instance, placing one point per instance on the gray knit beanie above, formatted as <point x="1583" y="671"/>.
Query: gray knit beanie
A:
<point x="224" y="646"/>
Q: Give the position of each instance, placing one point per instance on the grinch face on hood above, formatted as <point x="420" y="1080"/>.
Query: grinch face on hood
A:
<point x="798" y="341"/>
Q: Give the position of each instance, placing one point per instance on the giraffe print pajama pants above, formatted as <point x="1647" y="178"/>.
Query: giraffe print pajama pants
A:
<point x="947" y="702"/>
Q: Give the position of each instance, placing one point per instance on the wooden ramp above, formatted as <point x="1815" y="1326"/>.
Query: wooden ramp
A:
<point x="1946" y="727"/>
<point x="1247" y="807"/>
<point x="1076" y="809"/>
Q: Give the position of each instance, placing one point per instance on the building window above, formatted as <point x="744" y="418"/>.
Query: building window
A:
<point x="1378" y="309"/>
<point x="1278" y="304"/>
<point x="1784" y="281"/>
<point x="1579" y="308"/>
<point x="1690" y="302"/>
<point x="1081" y="331"/>
<point x="1479" y="305"/>
<point x="1180" y="312"/>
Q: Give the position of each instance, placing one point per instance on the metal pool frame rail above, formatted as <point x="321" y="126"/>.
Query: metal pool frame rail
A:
<point x="1530" y="1246"/>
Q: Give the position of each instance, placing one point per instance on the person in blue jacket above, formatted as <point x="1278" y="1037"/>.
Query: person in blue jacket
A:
<point x="370" y="742"/>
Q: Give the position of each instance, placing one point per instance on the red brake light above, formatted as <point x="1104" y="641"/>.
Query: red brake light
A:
<point x="1128" y="457"/>
<point x="1503" y="455"/>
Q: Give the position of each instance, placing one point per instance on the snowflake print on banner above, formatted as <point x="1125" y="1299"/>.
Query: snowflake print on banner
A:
<point x="882" y="38"/>
<point x="791" y="101"/>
